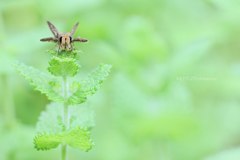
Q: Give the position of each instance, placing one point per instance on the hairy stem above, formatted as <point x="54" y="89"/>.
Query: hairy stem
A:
<point x="64" y="152"/>
<point x="65" y="114"/>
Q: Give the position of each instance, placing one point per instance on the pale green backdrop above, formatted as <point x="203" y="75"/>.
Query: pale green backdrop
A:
<point x="173" y="92"/>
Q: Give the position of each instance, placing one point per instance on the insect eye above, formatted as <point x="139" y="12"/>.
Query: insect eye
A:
<point x="60" y="39"/>
<point x="70" y="39"/>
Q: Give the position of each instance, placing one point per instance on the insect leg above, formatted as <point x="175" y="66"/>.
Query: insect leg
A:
<point x="76" y="47"/>
<point x="57" y="50"/>
<point x="72" y="53"/>
<point x="52" y="48"/>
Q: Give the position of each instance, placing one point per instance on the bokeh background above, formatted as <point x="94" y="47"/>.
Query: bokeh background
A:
<point x="173" y="92"/>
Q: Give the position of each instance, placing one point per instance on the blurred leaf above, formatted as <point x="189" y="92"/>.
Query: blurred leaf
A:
<point x="19" y="136"/>
<point x="231" y="154"/>
<point x="80" y="115"/>
<point x="76" y="138"/>
<point x="191" y="53"/>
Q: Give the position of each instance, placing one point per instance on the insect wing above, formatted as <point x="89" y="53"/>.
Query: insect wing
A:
<point x="78" y="39"/>
<point x="53" y="29"/>
<point x="49" y="39"/>
<point x="74" y="29"/>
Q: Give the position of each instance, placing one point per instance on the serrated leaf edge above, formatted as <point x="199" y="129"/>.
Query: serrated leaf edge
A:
<point x="60" y="134"/>
<point x="51" y="78"/>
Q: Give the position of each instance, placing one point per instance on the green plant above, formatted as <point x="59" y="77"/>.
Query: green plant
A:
<point x="72" y="127"/>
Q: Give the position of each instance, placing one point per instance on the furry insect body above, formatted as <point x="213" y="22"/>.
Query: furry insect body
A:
<point x="63" y="40"/>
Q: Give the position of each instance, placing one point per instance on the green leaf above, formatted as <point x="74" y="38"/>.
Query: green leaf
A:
<point x="76" y="138"/>
<point x="79" y="138"/>
<point x="56" y="86"/>
<point x="90" y="84"/>
<point x="48" y="141"/>
<point x="82" y="116"/>
<point x="64" y="54"/>
<point x="63" y="67"/>
<point x="41" y="81"/>
<point x="50" y="120"/>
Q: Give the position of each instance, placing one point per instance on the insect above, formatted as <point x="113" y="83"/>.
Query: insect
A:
<point x="63" y="40"/>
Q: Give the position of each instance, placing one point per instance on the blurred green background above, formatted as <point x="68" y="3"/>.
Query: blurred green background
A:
<point x="173" y="92"/>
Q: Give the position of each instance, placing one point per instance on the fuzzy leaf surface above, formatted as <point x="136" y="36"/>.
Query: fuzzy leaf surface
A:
<point x="80" y="115"/>
<point x="76" y="138"/>
<point x="41" y="81"/>
<point x="90" y="84"/>
<point x="48" y="141"/>
<point x="63" y="53"/>
<point x="63" y="67"/>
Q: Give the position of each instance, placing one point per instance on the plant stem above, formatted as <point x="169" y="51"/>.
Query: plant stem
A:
<point x="65" y="114"/>
<point x="65" y="95"/>
<point x="64" y="152"/>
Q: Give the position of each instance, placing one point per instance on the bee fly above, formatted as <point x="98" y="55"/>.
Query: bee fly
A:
<point x="63" y="40"/>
